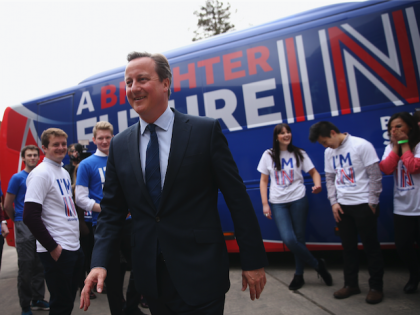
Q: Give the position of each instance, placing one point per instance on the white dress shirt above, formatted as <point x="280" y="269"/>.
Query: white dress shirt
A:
<point x="165" y="124"/>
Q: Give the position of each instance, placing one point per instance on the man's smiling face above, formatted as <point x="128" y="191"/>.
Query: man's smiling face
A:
<point x="146" y="94"/>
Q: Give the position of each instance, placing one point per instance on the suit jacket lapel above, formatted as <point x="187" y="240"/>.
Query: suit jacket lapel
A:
<point x="180" y="137"/>
<point x="134" y="152"/>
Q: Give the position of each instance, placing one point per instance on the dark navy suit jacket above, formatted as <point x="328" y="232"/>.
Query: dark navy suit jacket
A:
<point x="187" y="223"/>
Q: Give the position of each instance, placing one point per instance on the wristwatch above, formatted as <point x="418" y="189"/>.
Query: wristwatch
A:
<point x="373" y="205"/>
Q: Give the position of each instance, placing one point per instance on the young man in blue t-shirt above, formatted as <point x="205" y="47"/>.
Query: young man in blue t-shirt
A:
<point x="31" y="272"/>
<point x="89" y="183"/>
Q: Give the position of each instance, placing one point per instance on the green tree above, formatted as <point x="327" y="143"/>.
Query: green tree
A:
<point x="213" y="19"/>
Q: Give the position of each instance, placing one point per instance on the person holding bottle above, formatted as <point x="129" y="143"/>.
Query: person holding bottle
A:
<point x="402" y="158"/>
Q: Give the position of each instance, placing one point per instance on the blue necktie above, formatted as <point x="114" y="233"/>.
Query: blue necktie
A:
<point x="153" y="179"/>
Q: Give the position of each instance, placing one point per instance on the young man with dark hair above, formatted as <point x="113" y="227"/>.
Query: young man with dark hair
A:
<point x="57" y="231"/>
<point x="354" y="184"/>
<point x="31" y="286"/>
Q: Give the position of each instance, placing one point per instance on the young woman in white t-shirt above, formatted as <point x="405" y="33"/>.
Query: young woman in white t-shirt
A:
<point x="284" y="164"/>
<point x="402" y="157"/>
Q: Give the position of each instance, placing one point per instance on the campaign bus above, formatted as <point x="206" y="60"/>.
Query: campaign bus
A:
<point x="354" y="64"/>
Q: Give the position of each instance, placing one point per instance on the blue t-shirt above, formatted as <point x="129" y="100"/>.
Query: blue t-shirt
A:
<point x="17" y="186"/>
<point x="91" y="174"/>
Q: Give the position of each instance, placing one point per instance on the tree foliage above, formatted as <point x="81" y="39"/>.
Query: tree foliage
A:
<point x="213" y="19"/>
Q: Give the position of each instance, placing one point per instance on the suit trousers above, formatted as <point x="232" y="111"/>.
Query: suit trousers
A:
<point x="360" y="220"/>
<point x="115" y="277"/>
<point x="169" y="301"/>
<point x="62" y="277"/>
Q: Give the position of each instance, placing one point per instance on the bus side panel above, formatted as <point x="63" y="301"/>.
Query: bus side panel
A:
<point x="354" y="69"/>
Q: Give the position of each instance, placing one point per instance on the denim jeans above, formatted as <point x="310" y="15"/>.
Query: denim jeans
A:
<point x="30" y="281"/>
<point x="290" y="218"/>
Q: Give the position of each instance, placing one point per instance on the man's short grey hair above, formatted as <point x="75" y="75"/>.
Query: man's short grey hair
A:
<point x="162" y="67"/>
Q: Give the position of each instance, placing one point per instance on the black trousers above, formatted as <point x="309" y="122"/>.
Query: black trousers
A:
<point x="62" y="278"/>
<point x="86" y="242"/>
<point x="169" y="301"/>
<point x="1" y="248"/>
<point x="407" y="232"/>
<point x="360" y="220"/>
<point x="115" y="278"/>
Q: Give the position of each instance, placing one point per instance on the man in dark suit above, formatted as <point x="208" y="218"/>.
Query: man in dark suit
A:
<point x="167" y="170"/>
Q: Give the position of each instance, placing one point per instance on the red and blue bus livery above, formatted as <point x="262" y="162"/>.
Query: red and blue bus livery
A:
<point x="354" y="64"/>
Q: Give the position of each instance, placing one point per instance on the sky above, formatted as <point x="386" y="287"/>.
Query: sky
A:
<point x="47" y="46"/>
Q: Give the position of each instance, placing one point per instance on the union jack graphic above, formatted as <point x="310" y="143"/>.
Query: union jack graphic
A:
<point x="405" y="181"/>
<point x="345" y="176"/>
<point x="284" y="178"/>
<point x="69" y="207"/>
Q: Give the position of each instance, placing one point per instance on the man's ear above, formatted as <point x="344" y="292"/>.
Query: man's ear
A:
<point x="332" y="133"/>
<point x="166" y="85"/>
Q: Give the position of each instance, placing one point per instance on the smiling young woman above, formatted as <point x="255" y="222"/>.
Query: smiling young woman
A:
<point x="284" y="164"/>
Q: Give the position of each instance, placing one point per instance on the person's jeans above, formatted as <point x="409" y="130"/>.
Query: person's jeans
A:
<point x="62" y="278"/>
<point x="290" y="218"/>
<point x="360" y="220"/>
<point x="31" y="272"/>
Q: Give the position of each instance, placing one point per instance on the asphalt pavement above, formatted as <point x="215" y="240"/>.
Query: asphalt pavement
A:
<point x="313" y="298"/>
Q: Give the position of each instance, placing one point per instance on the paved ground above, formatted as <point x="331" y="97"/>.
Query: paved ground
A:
<point x="314" y="298"/>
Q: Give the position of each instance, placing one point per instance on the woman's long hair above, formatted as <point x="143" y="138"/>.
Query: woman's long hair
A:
<point x="73" y="186"/>
<point x="275" y="151"/>
<point x="414" y="134"/>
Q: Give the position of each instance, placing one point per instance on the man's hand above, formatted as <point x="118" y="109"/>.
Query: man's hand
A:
<point x="336" y="209"/>
<point x="96" y="275"/>
<point x="56" y="253"/>
<point x="256" y="280"/>
<point x="372" y="208"/>
<point x="4" y="230"/>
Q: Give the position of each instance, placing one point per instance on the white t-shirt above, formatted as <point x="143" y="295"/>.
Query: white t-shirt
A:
<point x="287" y="184"/>
<point x="349" y="162"/>
<point x="49" y="185"/>
<point x="406" y="186"/>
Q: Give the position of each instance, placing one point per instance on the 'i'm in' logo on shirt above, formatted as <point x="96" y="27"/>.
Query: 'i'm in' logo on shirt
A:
<point x="405" y="180"/>
<point x="344" y="170"/>
<point x="102" y="171"/>
<point x="284" y="178"/>
<point x="69" y="207"/>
